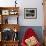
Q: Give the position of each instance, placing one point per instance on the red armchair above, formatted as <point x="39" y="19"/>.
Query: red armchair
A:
<point x="29" y="36"/>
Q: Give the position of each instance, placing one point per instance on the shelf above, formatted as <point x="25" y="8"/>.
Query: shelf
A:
<point x="9" y="10"/>
<point x="11" y="41"/>
<point x="9" y="19"/>
<point x="10" y="26"/>
<point x="6" y="24"/>
<point x="9" y="7"/>
<point x="5" y="12"/>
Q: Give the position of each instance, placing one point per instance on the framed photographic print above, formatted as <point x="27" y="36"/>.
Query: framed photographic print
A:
<point x="5" y="12"/>
<point x="30" y="13"/>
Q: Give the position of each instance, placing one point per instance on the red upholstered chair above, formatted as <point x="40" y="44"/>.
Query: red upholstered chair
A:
<point x="28" y="34"/>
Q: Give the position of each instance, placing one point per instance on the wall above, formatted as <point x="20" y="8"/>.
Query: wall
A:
<point x="27" y="4"/>
<point x="32" y="4"/>
<point x="37" y="29"/>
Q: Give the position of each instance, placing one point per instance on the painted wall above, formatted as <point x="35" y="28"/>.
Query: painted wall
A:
<point x="32" y="4"/>
<point x="26" y="4"/>
<point x="37" y="29"/>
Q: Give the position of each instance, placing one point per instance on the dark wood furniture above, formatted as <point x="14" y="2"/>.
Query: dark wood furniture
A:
<point x="8" y="11"/>
<point x="10" y="43"/>
<point x="4" y="13"/>
<point x="0" y="43"/>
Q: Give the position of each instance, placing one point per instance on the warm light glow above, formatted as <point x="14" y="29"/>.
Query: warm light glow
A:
<point x="0" y="36"/>
<point x="15" y="30"/>
<point x="0" y="17"/>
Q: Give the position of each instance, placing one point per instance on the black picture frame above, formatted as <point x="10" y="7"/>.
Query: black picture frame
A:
<point x="30" y="13"/>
